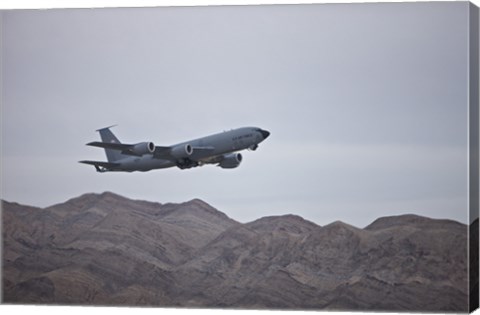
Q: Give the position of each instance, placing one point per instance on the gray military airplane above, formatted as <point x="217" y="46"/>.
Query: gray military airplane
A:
<point x="221" y="149"/>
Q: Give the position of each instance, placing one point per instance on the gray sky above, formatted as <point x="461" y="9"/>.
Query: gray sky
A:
<point x="366" y="105"/>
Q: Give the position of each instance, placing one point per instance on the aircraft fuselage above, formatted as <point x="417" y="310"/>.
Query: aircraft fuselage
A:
<point x="218" y="149"/>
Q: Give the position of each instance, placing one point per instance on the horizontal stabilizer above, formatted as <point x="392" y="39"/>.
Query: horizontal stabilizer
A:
<point x="102" y="164"/>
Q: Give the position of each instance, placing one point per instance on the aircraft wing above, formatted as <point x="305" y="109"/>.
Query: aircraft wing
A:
<point x="113" y="146"/>
<point x="165" y="152"/>
<point x="162" y="152"/>
<point x="200" y="153"/>
<point x="127" y="149"/>
<point x="159" y="152"/>
<point x="203" y="149"/>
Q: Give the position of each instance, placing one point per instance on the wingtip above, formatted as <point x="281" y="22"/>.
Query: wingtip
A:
<point x="106" y="127"/>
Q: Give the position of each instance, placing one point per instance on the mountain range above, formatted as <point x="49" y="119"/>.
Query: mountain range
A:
<point x="105" y="249"/>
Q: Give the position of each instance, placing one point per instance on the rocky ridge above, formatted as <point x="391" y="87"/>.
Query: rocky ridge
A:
<point x="104" y="249"/>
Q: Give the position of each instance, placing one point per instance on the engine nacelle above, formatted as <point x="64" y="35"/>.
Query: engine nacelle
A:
<point x="182" y="151"/>
<point x="143" y="148"/>
<point x="231" y="160"/>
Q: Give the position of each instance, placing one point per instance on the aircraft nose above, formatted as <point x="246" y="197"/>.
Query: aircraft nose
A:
<point x="265" y="134"/>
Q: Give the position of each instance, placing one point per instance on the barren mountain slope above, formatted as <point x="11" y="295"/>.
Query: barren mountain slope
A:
<point x="106" y="249"/>
<point x="102" y="249"/>
<point x="240" y="259"/>
<point x="300" y="265"/>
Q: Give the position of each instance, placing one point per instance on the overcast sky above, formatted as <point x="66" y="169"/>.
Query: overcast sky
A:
<point x="366" y="105"/>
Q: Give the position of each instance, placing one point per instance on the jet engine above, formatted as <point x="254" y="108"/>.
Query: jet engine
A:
<point x="143" y="148"/>
<point x="231" y="160"/>
<point x="182" y="151"/>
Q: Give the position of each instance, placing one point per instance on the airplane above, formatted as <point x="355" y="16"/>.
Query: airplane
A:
<point x="220" y="149"/>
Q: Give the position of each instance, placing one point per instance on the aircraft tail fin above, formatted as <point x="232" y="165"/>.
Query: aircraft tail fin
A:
<point x="107" y="136"/>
